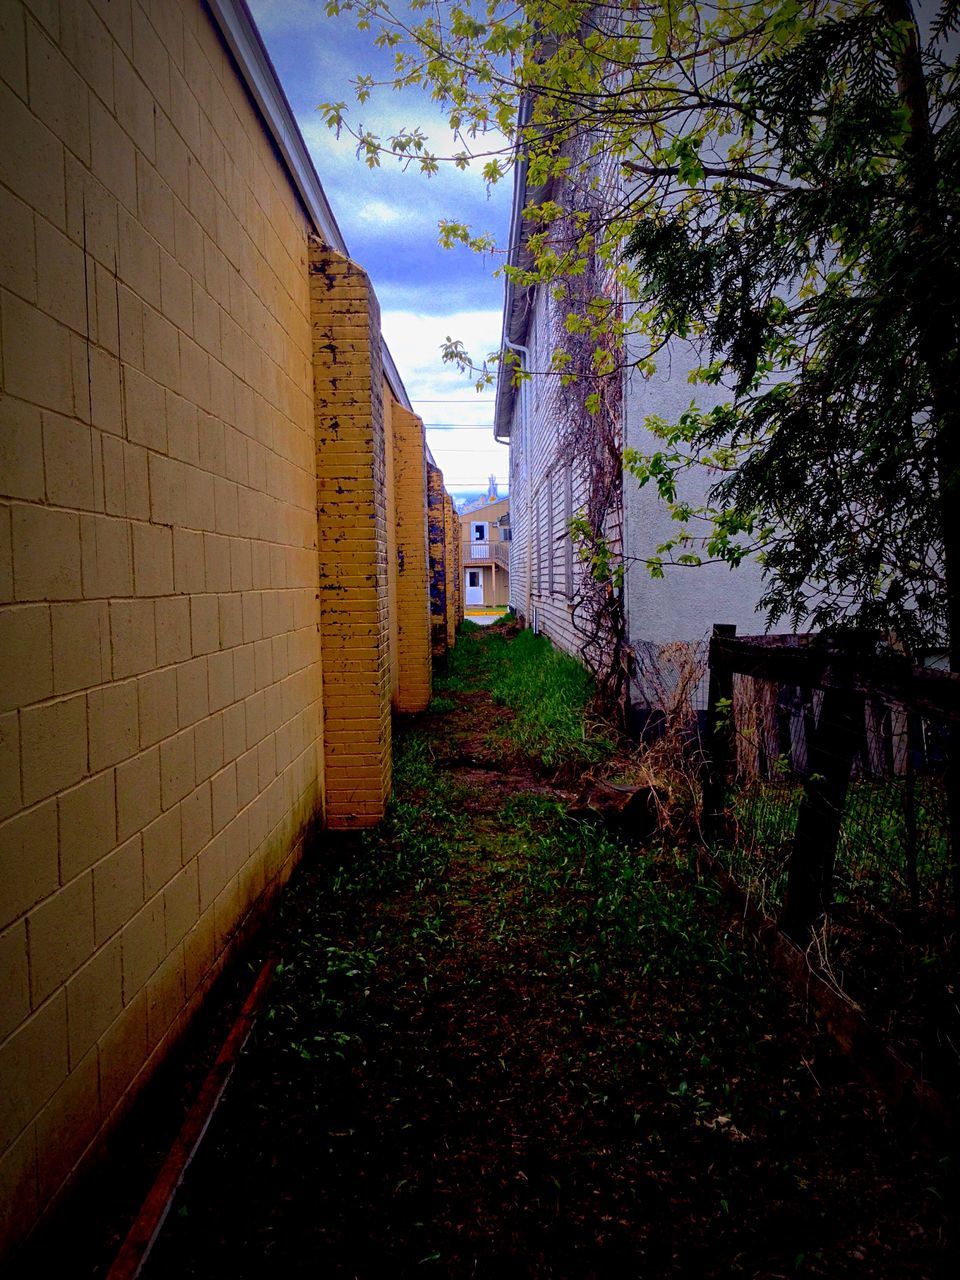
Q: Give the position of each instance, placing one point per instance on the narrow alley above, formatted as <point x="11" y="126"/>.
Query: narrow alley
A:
<point x="504" y="1041"/>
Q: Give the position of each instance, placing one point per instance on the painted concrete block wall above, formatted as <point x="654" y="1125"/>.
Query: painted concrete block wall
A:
<point x="414" y="680"/>
<point x="158" y="563"/>
<point x="352" y="516"/>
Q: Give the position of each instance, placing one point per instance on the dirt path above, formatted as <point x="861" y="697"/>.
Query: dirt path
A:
<point x="503" y="1043"/>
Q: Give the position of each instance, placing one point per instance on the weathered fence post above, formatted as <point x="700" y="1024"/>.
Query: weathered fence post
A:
<point x="831" y="748"/>
<point x="719" y="738"/>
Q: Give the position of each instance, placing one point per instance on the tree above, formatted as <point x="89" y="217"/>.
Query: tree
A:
<point x="785" y="195"/>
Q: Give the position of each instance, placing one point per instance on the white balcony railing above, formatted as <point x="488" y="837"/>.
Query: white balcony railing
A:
<point x="499" y="552"/>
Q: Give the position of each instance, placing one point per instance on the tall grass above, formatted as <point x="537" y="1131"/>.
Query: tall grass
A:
<point x="549" y="693"/>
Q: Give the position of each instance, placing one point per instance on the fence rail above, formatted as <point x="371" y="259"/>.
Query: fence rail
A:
<point x="830" y="795"/>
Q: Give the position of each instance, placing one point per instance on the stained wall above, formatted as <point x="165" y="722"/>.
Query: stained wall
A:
<point x="195" y="526"/>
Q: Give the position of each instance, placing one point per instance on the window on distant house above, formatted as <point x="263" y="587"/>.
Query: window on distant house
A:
<point x="479" y="531"/>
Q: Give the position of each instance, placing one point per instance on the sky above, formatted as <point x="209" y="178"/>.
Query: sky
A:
<point x="389" y="221"/>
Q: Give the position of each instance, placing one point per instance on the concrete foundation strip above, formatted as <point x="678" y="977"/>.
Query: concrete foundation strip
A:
<point x="148" y="1223"/>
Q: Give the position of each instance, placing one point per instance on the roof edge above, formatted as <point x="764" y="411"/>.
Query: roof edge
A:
<point x="241" y="36"/>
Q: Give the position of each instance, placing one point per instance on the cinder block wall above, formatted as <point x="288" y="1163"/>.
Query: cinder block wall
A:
<point x="352" y="539"/>
<point x="160" y="654"/>
<point x="413" y="686"/>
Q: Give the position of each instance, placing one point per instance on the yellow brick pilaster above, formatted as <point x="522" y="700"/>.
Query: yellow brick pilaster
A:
<point x="352" y="542"/>
<point x="436" y="525"/>
<point x="451" y="533"/>
<point x="413" y="686"/>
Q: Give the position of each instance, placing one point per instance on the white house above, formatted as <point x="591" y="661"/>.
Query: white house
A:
<point x="556" y="473"/>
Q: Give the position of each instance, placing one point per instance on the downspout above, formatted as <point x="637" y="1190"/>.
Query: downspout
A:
<point x="528" y="461"/>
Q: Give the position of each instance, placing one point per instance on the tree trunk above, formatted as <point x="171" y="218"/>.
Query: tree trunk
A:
<point x="936" y="318"/>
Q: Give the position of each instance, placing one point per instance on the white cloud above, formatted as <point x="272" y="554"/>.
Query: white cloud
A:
<point x="380" y="213"/>
<point x="462" y="443"/>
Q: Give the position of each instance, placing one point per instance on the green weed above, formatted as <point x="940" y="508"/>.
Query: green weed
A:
<point x="871" y="845"/>
<point x="441" y="704"/>
<point x="548" y="692"/>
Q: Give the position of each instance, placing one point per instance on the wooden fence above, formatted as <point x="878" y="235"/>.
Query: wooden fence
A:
<point x="860" y="747"/>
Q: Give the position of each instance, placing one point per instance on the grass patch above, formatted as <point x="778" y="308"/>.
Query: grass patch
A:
<point x="473" y="661"/>
<point x="439" y="705"/>
<point x="602" y="900"/>
<point x="549" y="693"/>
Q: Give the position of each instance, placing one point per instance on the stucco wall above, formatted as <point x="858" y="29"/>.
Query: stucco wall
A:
<point x="158" y="565"/>
<point x="687" y="601"/>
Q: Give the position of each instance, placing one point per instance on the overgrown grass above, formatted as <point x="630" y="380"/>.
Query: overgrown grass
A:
<point x="473" y="661"/>
<point x="603" y="900"/>
<point x="549" y="693"/>
<point x="322" y="978"/>
<point x="871" y="847"/>
<point x="440" y="705"/>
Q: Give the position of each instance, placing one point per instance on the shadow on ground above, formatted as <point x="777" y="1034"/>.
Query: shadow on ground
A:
<point x="504" y="1042"/>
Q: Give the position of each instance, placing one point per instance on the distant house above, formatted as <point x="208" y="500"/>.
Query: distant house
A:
<point x="485" y="540"/>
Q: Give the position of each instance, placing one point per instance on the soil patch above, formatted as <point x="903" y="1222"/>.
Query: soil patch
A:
<point x="503" y="1042"/>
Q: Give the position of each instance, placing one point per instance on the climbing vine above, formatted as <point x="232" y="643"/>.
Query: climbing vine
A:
<point x="589" y="396"/>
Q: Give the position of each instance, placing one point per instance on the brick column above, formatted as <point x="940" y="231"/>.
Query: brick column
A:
<point x="413" y="596"/>
<point x="351" y="539"/>
<point x="458" y="562"/>
<point x="451" y="531"/>
<point x="436" y="528"/>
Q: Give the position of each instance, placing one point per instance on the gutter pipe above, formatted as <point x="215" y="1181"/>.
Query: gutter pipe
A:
<point x="525" y="433"/>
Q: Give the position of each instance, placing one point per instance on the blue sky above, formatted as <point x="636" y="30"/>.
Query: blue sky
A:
<point x="389" y="220"/>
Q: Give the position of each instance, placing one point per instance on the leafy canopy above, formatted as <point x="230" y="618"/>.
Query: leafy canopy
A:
<point x="779" y="187"/>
